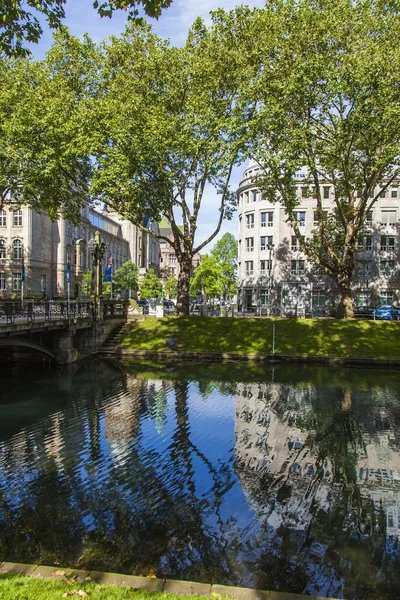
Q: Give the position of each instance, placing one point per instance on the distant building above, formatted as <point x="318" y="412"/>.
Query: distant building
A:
<point x="168" y="261"/>
<point x="48" y="250"/>
<point x="274" y="274"/>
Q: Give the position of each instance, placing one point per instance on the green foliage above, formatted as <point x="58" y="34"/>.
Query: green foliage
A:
<point x="171" y="287"/>
<point x="208" y="278"/>
<point x="327" y="86"/>
<point x="169" y="122"/>
<point x="151" y="286"/>
<point x="19" y="25"/>
<point x="225" y="252"/>
<point x="126" y="277"/>
<point x="86" y="283"/>
<point x="42" y="161"/>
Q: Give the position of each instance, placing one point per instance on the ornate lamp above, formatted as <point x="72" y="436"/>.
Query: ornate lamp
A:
<point x="97" y="249"/>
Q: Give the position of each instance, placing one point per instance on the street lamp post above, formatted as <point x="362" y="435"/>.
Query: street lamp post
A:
<point x="97" y="249"/>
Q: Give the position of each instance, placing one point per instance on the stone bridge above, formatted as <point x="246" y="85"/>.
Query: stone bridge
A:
<point x="60" y="331"/>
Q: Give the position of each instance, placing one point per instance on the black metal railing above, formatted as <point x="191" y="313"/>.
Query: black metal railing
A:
<point x="29" y="312"/>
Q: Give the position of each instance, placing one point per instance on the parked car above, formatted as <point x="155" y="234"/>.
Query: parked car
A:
<point x="387" y="312"/>
<point x="145" y="305"/>
<point x="169" y="304"/>
<point x="364" y="312"/>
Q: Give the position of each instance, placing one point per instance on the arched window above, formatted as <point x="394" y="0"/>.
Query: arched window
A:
<point x="3" y="250"/>
<point x="17" y="249"/>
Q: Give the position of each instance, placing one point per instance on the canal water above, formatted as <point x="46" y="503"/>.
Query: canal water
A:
<point x="274" y="477"/>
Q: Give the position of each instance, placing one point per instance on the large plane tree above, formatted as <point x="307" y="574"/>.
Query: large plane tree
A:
<point x="167" y="129"/>
<point x="329" y="100"/>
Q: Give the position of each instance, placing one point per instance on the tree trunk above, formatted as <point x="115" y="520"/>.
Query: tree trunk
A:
<point x="182" y="305"/>
<point x="345" y="306"/>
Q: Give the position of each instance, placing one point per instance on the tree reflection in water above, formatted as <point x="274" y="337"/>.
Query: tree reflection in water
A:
<point x="295" y="487"/>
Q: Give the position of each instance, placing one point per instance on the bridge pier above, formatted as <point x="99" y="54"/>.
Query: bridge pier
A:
<point x="64" y="347"/>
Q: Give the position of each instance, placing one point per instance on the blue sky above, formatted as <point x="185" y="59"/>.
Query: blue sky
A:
<point x="173" y="24"/>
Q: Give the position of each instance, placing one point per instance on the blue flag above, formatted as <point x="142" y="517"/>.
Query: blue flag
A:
<point x="108" y="271"/>
<point x="68" y="273"/>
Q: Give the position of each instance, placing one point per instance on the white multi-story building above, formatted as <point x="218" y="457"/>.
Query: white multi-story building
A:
<point x="274" y="275"/>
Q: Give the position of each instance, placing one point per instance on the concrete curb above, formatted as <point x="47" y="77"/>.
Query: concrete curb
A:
<point x="168" y="586"/>
<point x="174" y="356"/>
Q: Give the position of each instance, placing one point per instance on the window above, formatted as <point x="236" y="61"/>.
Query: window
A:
<point x="3" y="218"/>
<point x="16" y="281"/>
<point x="366" y="269"/>
<point x="368" y="219"/>
<point x="2" y="249"/>
<point x="300" y="217"/>
<point x="296" y="243"/>
<point x="393" y="192"/>
<point x="254" y="196"/>
<point x="267" y="219"/>
<point x="249" y="244"/>
<point x="43" y="283"/>
<point x="17" y="218"/>
<point x="163" y="244"/>
<point x="326" y="191"/>
<point x="249" y="221"/>
<point x="265" y="267"/>
<point x="371" y="194"/>
<point x="265" y="242"/>
<point x="17" y="250"/>
<point x="387" y="243"/>
<point x="367" y="243"/>
<point x="2" y="281"/>
<point x="68" y="228"/>
<point x="172" y="259"/>
<point x="386" y="297"/>
<point x="387" y="267"/>
<point x="382" y="194"/>
<point x="246" y="197"/>
<point x="265" y="297"/>
<point x="318" y="298"/>
<point x="363" y="298"/>
<point x="304" y="192"/>
<point x="297" y="267"/>
<point x="388" y="217"/>
<point x="249" y="267"/>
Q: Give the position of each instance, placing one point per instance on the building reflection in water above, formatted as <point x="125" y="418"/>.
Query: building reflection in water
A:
<point x="289" y="483"/>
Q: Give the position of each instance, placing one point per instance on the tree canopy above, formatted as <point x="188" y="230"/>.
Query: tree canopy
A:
<point x="169" y="123"/>
<point x="329" y="98"/>
<point x="126" y="277"/>
<point x="225" y="253"/>
<point x="151" y="286"/>
<point x="208" y="277"/>
<point x="19" y="20"/>
<point x="42" y="161"/>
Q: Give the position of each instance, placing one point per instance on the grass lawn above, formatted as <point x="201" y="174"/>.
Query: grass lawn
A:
<point x="16" y="587"/>
<point x="306" y="337"/>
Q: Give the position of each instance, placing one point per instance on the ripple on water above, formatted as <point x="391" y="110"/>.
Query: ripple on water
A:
<point x="290" y="481"/>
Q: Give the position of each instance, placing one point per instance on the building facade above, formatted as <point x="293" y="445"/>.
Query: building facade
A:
<point x="46" y="254"/>
<point x="168" y="261"/>
<point x="274" y="276"/>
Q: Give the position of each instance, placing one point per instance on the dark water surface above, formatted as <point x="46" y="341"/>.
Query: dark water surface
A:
<point x="281" y="477"/>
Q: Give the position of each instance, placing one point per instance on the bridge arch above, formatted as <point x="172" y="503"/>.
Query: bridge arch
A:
<point x="20" y="342"/>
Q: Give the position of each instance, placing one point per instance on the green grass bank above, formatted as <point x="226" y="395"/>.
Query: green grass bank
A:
<point x="16" y="587"/>
<point x="303" y="337"/>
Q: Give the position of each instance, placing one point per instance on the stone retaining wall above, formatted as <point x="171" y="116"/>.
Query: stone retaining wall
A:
<point x="170" y="586"/>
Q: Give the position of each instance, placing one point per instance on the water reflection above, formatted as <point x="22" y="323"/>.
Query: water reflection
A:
<point x="285" y="479"/>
